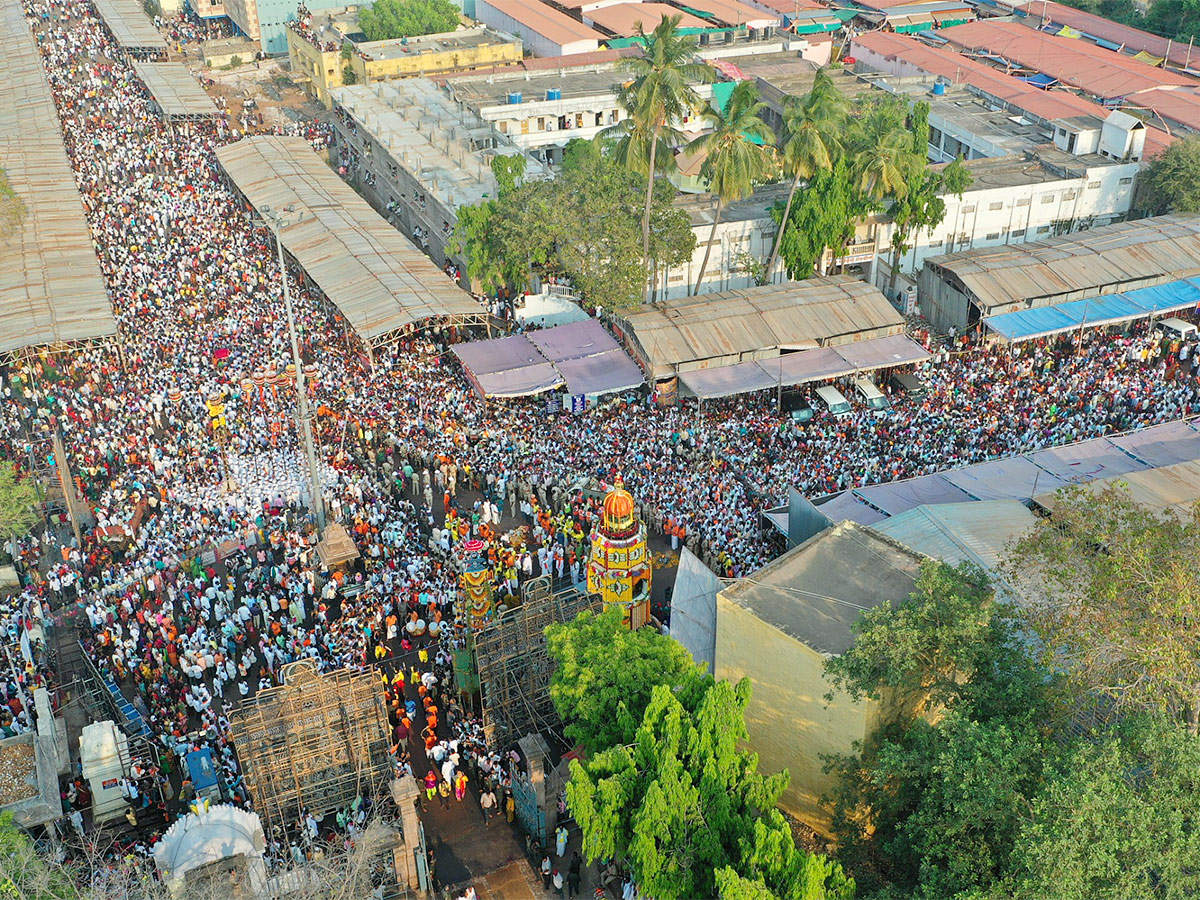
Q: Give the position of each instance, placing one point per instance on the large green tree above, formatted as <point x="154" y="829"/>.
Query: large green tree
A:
<point x="583" y="224"/>
<point x="1174" y="177"/>
<point x="18" y="504"/>
<point x="605" y="673"/>
<point x="385" y="20"/>
<point x="1113" y="590"/>
<point x="735" y="154"/>
<point x="1115" y="819"/>
<point x="25" y="874"/>
<point x="655" y="99"/>
<point x="683" y="806"/>
<point x="812" y="141"/>
<point x="820" y="218"/>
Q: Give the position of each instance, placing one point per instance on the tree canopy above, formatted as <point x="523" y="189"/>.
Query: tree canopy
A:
<point x="584" y="224"/>
<point x="689" y="813"/>
<point x="18" y="504"/>
<point x="1174" y="178"/>
<point x="605" y="674"/>
<point x="1114" y="594"/>
<point x="385" y="20"/>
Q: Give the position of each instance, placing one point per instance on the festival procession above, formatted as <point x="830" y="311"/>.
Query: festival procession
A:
<point x="289" y="596"/>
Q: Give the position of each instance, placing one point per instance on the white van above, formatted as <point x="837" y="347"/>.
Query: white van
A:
<point x="1177" y="329"/>
<point x="832" y="398"/>
<point x="870" y="394"/>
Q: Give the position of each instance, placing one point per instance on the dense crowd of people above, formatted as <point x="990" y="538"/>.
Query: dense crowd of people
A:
<point x="413" y="463"/>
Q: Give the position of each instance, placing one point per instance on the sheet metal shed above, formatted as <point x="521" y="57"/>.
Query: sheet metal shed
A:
<point x="131" y="28"/>
<point x="51" y="288"/>
<point x="175" y="91"/>
<point x="375" y="275"/>
<point x="977" y="532"/>
<point x="757" y="323"/>
<point x="1109" y="309"/>
<point x="1109" y="259"/>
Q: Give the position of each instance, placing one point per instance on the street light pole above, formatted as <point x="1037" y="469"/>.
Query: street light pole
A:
<point x="314" y="474"/>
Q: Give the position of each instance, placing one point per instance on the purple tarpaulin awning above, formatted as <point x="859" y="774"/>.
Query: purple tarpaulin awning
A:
<point x="498" y="355"/>
<point x="897" y="496"/>
<point x="573" y="341"/>
<point x="1013" y="478"/>
<point x="1085" y="461"/>
<point x="519" y="382"/>
<point x="507" y="367"/>
<point x="846" y="506"/>
<point x="724" y="381"/>
<point x="1162" y="445"/>
<point x="600" y="374"/>
<point x="882" y="353"/>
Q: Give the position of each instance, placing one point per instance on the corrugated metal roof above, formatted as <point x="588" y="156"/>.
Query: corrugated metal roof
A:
<point x="130" y="26"/>
<point x="374" y="274"/>
<point x="713" y="328"/>
<point x="1093" y="69"/>
<point x="51" y="288"/>
<point x="1175" y="488"/>
<point x="1041" y="273"/>
<point x="816" y="591"/>
<point x="176" y="92"/>
<point x="978" y="531"/>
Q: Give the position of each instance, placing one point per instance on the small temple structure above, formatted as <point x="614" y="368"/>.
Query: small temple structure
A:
<point x="619" y="568"/>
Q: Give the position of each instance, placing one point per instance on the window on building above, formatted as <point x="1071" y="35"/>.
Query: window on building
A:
<point x="995" y="206"/>
<point x="935" y="136"/>
<point x="1126" y="180"/>
<point x="994" y="236"/>
<point x="1068" y="195"/>
<point x="969" y="209"/>
<point x="1018" y="232"/>
<point x="1022" y="201"/>
<point x="503" y="127"/>
<point x="1043" y="229"/>
<point x="1092" y="185"/>
<point x="541" y="124"/>
<point x="1047" y="198"/>
<point x="936" y="243"/>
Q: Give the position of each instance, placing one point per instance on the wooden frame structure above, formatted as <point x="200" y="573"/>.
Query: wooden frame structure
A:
<point x="515" y="667"/>
<point x="316" y="742"/>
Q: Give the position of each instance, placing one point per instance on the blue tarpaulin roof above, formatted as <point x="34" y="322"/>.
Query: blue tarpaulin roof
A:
<point x="1109" y="309"/>
<point x="1040" y="80"/>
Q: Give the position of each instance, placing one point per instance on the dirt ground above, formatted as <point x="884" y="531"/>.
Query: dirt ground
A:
<point x="268" y="82"/>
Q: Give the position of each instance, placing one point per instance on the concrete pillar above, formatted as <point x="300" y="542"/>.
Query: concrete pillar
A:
<point x="405" y="793"/>
<point x="536" y="753"/>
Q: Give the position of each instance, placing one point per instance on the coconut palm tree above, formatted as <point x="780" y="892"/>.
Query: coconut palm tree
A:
<point x="658" y="96"/>
<point x="813" y="129"/>
<point x="881" y="154"/>
<point x="735" y="153"/>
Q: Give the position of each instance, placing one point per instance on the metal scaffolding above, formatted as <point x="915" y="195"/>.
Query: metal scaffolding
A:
<point x="514" y="666"/>
<point x="316" y="742"/>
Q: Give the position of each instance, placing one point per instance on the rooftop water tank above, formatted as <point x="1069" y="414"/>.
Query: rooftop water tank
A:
<point x="514" y="97"/>
<point x="939" y="89"/>
<point x="554" y="93"/>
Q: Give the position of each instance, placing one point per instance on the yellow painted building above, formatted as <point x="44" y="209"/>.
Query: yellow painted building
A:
<point x="619" y="566"/>
<point x="780" y="625"/>
<point x="319" y="63"/>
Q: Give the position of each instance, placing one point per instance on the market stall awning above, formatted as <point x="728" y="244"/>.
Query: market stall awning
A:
<point x="1085" y="461"/>
<point x="897" y="496"/>
<point x="725" y="381"/>
<point x="882" y="353"/>
<point x="602" y="373"/>
<point x="1162" y="445"/>
<point x="1013" y="478"/>
<point x="1109" y="309"/>
<point x="846" y="506"/>
<point x="803" y="367"/>
<point x="507" y="367"/>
